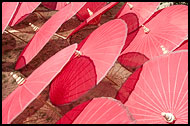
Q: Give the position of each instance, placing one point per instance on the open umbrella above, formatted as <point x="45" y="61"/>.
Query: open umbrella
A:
<point x="46" y="32"/>
<point x="23" y="10"/>
<point x="161" y="33"/>
<point x="92" y="17"/>
<point x="55" y="5"/>
<point x="8" y="10"/>
<point x="89" y="9"/>
<point x="98" y="111"/>
<point x="75" y="79"/>
<point x="161" y="93"/>
<point x="143" y="10"/>
<point x="32" y="86"/>
<point x="85" y="73"/>
<point x="183" y="46"/>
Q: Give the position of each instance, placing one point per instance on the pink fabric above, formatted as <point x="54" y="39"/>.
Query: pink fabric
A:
<point x="24" y="9"/>
<point x="20" y="98"/>
<point x="104" y="45"/>
<point x="183" y="46"/>
<point x="54" y="5"/>
<point x="143" y="10"/>
<point x="162" y="87"/>
<point x="167" y="29"/>
<point x="44" y="34"/>
<point x="95" y="15"/>
<point x="83" y="14"/>
<point x="102" y="111"/>
<point x="75" y="79"/>
<point x="8" y="10"/>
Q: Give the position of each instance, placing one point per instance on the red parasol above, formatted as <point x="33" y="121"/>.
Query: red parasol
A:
<point x="89" y="9"/>
<point x="20" y="98"/>
<point x="75" y="79"/>
<point x="91" y="18"/>
<point x="161" y="93"/>
<point x="46" y="32"/>
<point x="161" y="33"/>
<point x="99" y="111"/>
<point x="23" y="10"/>
<point x="143" y="10"/>
<point x="183" y="46"/>
<point x="55" y="5"/>
<point x="104" y="45"/>
<point x="8" y="10"/>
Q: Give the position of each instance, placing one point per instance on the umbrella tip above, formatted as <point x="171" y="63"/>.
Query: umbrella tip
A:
<point x="146" y="30"/>
<point x="130" y="5"/>
<point x="89" y="11"/>
<point x="19" y="80"/>
<point x="169" y="117"/>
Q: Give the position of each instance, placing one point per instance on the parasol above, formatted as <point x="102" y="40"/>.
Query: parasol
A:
<point x="103" y="110"/>
<point x="8" y="10"/>
<point x="161" y="93"/>
<point x="143" y="10"/>
<point x="89" y="9"/>
<point x="23" y="10"/>
<point x="46" y="32"/>
<point x="183" y="46"/>
<point x="161" y="33"/>
<point x="92" y="17"/>
<point x="55" y="5"/>
<point x="75" y="79"/>
<point x="32" y="86"/>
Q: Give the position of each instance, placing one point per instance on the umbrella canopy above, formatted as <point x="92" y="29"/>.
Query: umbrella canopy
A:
<point x="20" y="98"/>
<point x="55" y="5"/>
<point x="103" y="46"/>
<point x="8" y="10"/>
<point x="161" y="33"/>
<point x="99" y="111"/>
<point x="46" y="32"/>
<point x="75" y="79"/>
<point x="89" y="9"/>
<point x="183" y="46"/>
<point x="92" y="17"/>
<point x="161" y="93"/>
<point x="143" y="10"/>
<point x="23" y="10"/>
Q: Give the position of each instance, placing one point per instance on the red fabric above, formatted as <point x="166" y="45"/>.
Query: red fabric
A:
<point x="183" y="46"/>
<point x="44" y="34"/>
<point x="19" y="99"/>
<point x="75" y="79"/>
<point x="162" y="87"/>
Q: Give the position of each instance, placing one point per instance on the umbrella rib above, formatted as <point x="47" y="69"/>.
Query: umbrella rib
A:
<point x="162" y="84"/>
<point x="43" y="74"/>
<point x="181" y="89"/>
<point x="170" y="105"/>
<point x="182" y="112"/>
<point x="115" y="117"/>
<point x="182" y="105"/>
<point x="166" y="40"/>
<point x="148" y="43"/>
<point x="157" y="90"/>
<point x="179" y="61"/>
<point x="181" y="100"/>
<point x="29" y="90"/>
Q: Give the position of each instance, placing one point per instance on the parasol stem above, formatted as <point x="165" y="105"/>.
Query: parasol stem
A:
<point x="15" y="36"/>
<point x="89" y="12"/>
<point x="111" y="80"/>
<point x="19" y="80"/>
<point x="52" y="108"/>
<point x="35" y="28"/>
<point x="146" y="30"/>
<point x="130" y="5"/>
<point x="169" y="117"/>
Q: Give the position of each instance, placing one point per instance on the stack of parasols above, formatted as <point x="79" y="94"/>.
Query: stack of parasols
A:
<point x="150" y="43"/>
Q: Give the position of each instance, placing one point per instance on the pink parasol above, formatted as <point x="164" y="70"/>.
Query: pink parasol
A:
<point x="143" y="10"/>
<point x="23" y="10"/>
<point x="161" y="93"/>
<point x="99" y="111"/>
<point x="89" y="9"/>
<point x="8" y="10"/>
<point x="75" y="79"/>
<point x="46" y="32"/>
<point x="161" y="33"/>
<point x="55" y="5"/>
<point x="104" y="45"/>
<point x="92" y="17"/>
<point x="183" y="46"/>
<point x="20" y="98"/>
